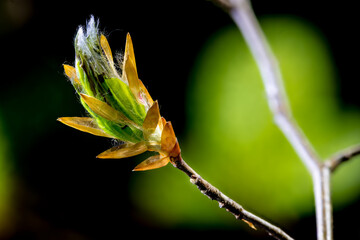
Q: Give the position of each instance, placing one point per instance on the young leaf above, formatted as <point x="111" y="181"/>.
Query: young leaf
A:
<point x="129" y="67"/>
<point x="105" y="111"/>
<point x="71" y="73"/>
<point x="124" y="151"/>
<point x="129" y="50"/>
<point x="152" y="162"/>
<point x="128" y="103"/>
<point x="107" y="50"/>
<point x="152" y="118"/>
<point x="168" y="138"/>
<point x="84" y="124"/>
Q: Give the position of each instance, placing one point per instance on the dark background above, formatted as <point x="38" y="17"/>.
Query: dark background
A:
<point x="62" y="191"/>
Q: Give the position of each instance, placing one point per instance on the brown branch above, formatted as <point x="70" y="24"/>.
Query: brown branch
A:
<point x="227" y="203"/>
<point x="343" y="156"/>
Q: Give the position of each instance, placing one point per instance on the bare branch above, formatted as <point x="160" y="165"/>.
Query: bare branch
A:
<point x="342" y="156"/>
<point x="243" y="16"/>
<point x="225" y="202"/>
<point x="245" y="19"/>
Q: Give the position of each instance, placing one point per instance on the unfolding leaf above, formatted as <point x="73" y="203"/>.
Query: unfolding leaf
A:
<point x="129" y="67"/>
<point x="152" y="118"/>
<point x="152" y="162"/>
<point x="128" y="103"/>
<point x="124" y="151"/>
<point x="132" y="77"/>
<point x="146" y="94"/>
<point x="168" y="138"/>
<point x="71" y="73"/>
<point x="107" y="50"/>
<point x="104" y="110"/>
<point x="84" y="124"/>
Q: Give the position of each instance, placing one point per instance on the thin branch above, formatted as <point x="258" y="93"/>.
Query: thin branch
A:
<point x="342" y="156"/>
<point x="225" y="202"/>
<point x="244" y="17"/>
<point x="323" y="208"/>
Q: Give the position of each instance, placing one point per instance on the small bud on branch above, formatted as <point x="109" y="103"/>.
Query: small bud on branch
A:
<point x="119" y="105"/>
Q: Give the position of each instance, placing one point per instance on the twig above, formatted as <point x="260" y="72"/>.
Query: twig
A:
<point x="342" y="156"/>
<point x="225" y="202"/>
<point x="323" y="208"/>
<point x="243" y="15"/>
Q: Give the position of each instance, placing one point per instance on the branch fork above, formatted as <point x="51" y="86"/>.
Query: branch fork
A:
<point x="243" y="16"/>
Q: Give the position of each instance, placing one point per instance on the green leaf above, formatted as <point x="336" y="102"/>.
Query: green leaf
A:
<point x="126" y="101"/>
<point x="122" y="132"/>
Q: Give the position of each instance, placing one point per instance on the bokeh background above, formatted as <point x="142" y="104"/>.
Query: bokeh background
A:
<point x="195" y="62"/>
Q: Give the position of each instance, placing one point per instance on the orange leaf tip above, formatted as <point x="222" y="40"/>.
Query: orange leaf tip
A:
<point x="84" y="124"/>
<point x="129" y="67"/>
<point x="168" y="138"/>
<point x="124" y="151"/>
<point x="71" y="73"/>
<point x="152" y="162"/>
<point x="106" y="48"/>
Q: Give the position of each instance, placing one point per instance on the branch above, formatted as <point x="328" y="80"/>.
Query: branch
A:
<point x="225" y="202"/>
<point x="244" y="17"/>
<point x="342" y="156"/>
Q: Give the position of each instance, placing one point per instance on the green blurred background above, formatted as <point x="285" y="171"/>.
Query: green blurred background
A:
<point x="195" y="62"/>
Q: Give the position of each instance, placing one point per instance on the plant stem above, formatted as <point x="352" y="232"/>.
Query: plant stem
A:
<point x="343" y="156"/>
<point x="243" y="16"/>
<point x="225" y="202"/>
<point x="321" y="181"/>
